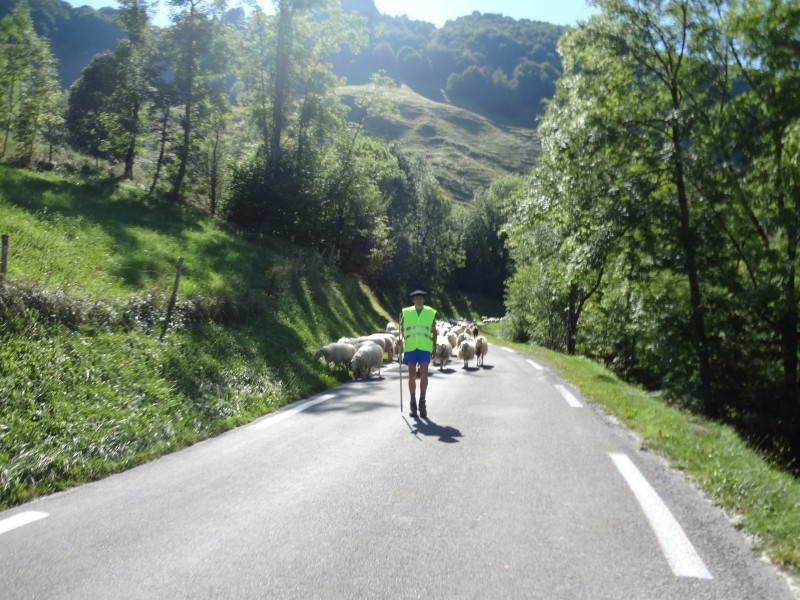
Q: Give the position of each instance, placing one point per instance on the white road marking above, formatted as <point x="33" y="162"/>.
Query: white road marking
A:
<point x="571" y="400"/>
<point x="507" y="349"/>
<point x="269" y="421"/>
<point x="680" y="554"/>
<point x="20" y="519"/>
<point x="535" y="365"/>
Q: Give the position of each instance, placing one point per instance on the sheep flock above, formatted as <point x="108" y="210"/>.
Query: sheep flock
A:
<point x="363" y="355"/>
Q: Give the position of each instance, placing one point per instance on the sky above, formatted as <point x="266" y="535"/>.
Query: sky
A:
<point x="558" y="12"/>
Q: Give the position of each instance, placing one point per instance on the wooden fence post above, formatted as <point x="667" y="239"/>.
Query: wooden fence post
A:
<point x="4" y="258"/>
<point x="172" y="299"/>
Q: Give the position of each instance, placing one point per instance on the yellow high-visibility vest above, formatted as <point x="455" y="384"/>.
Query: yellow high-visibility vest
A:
<point x="417" y="329"/>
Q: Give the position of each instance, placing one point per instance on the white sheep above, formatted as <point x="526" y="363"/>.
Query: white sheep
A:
<point x="336" y="353"/>
<point x="453" y="339"/>
<point x="391" y="327"/>
<point x="367" y="357"/>
<point x="353" y="341"/>
<point x="481" y="349"/>
<point x="397" y="348"/>
<point x="466" y="351"/>
<point x="385" y="341"/>
<point x="442" y="352"/>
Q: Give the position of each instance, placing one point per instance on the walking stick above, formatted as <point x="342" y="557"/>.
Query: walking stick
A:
<point x="400" y="367"/>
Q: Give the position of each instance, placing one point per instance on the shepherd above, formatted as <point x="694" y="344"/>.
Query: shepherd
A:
<point x="418" y="327"/>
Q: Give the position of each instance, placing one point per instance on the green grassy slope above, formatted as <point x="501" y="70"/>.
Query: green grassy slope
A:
<point x="467" y="151"/>
<point x="87" y="386"/>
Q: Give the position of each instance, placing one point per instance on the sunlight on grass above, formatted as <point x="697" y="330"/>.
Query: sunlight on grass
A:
<point x="88" y="388"/>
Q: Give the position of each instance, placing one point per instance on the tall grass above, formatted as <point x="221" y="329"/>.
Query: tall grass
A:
<point x="87" y="387"/>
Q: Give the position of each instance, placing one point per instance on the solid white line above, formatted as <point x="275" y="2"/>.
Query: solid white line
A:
<point x="21" y="519"/>
<point x="535" y="365"/>
<point x="507" y="349"/>
<point x="282" y="416"/>
<point x="571" y="400"/>
<point x="681" y="555"/>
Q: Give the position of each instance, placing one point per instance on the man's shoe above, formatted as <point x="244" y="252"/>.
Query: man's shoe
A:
<point x="423" y="410"/>
<point x="413" y="413"/>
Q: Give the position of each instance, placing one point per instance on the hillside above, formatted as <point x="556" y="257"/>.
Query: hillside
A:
<point x="89" y="386"/>
<point x="467" y="151"/>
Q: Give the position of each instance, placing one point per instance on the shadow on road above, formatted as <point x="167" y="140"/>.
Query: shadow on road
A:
<point x="426" y="427"/>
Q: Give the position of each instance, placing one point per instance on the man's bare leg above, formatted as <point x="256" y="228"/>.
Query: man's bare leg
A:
<point x="412" y="387"/>
<point x="423" y="388"/>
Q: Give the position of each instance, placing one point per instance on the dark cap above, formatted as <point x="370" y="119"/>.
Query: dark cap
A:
<point x="418" y="293"/>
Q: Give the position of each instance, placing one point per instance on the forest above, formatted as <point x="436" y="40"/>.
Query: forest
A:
<point x="657" y="234"/>
<point x="659" y="231"/>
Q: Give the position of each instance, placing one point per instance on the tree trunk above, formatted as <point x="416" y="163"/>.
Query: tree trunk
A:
<point x="689" y="244"/>
<point x="186" y="122"/>
<point x="130" y="153"/>
<point x="282" y="56"/>
<point x="572" y="319"/>
<point x="8" y="121"/>
<point x="788" y="321"/>
<point x="162" y="148"/>
<point x="215" y="167"/>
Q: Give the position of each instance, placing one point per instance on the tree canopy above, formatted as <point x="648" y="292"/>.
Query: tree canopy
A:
<point x="660" y="232"/>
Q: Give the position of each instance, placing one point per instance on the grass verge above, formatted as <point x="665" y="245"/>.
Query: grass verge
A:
<point x="761" y="500"/>
<point x="87" y="387"/>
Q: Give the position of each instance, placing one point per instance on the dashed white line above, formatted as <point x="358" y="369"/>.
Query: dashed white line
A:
<point x="567" y="395"/>
<point x="680" y="554"/>
<point x="507" y="349"/>
<point x="282" y="416"/>
<point x="18" y="520"/>
<point x="535" y="365"/>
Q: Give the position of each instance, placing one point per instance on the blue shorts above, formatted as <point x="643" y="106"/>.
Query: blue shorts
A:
<point x="416" y="357"/>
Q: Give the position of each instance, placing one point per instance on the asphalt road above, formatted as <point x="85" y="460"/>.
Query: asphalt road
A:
<point x="514" y="488"/>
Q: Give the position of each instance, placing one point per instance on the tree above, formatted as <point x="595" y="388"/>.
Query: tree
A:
<point x="300" y="124"/>
<point x="215" y="150"/>
<point x="653" y="41"/>
<point x="668" y="168"/>
<point x="483" y="238"/>
<point x="197" y="59"/>
<point x="123" y="110"/>
<point x="760" y="176"/>
<point x="424" y="226"/>
<point x="86" y="131"/>
<point x="28" y="82"/>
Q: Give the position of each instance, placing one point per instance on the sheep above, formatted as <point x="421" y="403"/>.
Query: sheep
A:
<point x="466" y="351"/>
<point x="336" y="353"/>
<point x="453" y="339"/>
<point x="367" y="357"/>
<point x="391" y="327"/>
<point x="397" y="348"/>
<point x="385" y="341"/>
<point x="442" y="352"/>
<point x="353" y="341"/>
<point x="481" y="349"/>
